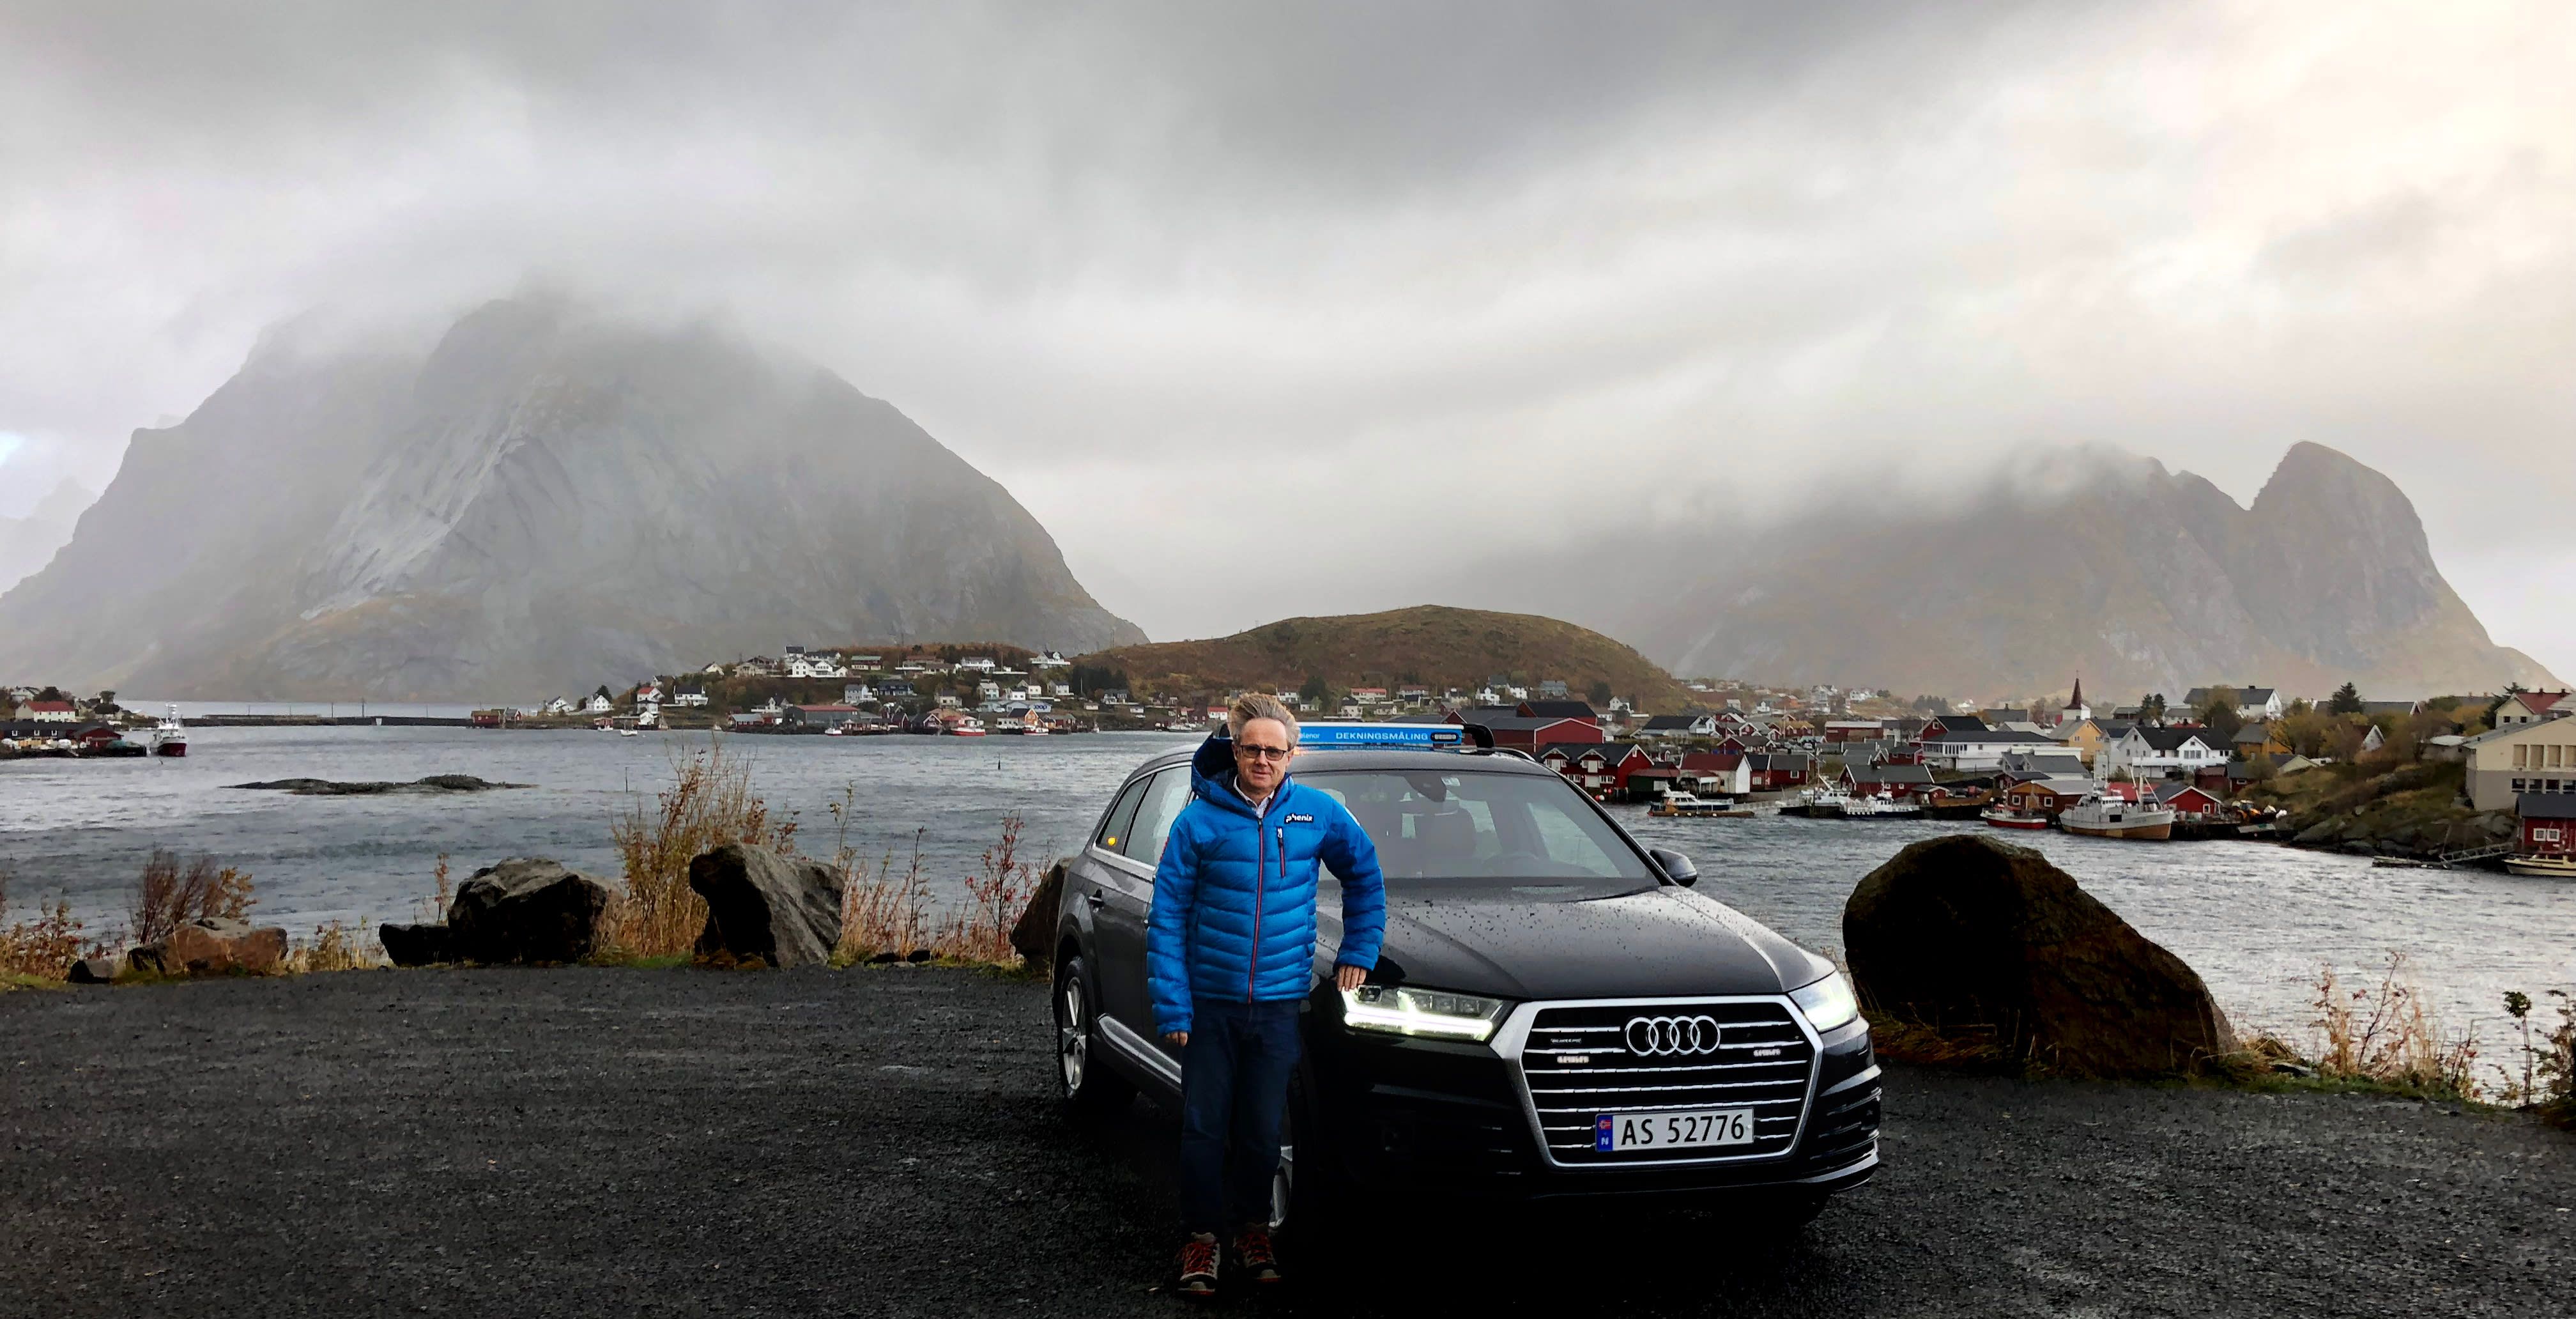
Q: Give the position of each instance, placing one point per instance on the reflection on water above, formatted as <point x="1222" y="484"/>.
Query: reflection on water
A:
<point x="2254" y="919"/>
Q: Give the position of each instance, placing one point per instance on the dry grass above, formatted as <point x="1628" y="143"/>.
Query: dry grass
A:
<point x="40" y="949"/>
<point x="2385" y="1035"/>
<point x="710" y="802"/>
<point x="884" y="909"/>
<point x="169" y="894"/>
<point x="336" y="947"/>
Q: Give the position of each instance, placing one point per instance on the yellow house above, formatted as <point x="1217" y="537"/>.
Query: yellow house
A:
<point x="2084" y="736"/>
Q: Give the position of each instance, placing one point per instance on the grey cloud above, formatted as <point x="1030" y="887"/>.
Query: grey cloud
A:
<point x="1671" y="260"/>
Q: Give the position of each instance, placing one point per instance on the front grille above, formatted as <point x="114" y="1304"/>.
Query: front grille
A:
<point x="1577" y="1065"/>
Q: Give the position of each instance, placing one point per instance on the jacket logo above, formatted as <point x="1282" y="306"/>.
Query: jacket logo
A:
<point x="1300" y="818"/>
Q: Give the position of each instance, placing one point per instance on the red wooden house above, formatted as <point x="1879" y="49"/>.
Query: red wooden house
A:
<point x="2190" y="801"/>
<point x="1780" y="771"/>
<point x="1602" y="769"/>
<point x="2548" y="823"/>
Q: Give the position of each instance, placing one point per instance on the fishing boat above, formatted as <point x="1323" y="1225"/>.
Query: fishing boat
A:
<point x="2098" y="816"/>
<point x="969" y="726"/>
<point x="1824" y="803"/>
<point x="169" y="736"/>
<point x="2555" y="867"/>
<point x="2005" y="817"/>
<point x="1874" y="807"/>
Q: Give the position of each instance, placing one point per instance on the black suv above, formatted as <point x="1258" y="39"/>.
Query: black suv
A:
<point x="1554" y="1013"/>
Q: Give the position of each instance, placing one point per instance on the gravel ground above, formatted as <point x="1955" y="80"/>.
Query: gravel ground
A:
<point x="884" y="1142"/>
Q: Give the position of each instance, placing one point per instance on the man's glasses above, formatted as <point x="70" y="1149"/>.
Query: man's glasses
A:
<point x="1250" y="752"/>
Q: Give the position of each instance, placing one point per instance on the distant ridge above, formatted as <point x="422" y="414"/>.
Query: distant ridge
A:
<point x="1436" y="646"/>
<point x="2090" y="563"/>
<point x="547" y="501"/>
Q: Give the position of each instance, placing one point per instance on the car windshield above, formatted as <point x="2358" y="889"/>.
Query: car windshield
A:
<point x="1443" y="825"/>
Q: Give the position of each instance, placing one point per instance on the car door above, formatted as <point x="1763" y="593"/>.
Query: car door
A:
<point x="1129" y="890"/>
<point x="1087" y="889"/>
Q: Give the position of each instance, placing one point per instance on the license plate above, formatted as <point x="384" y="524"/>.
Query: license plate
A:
<point x="1696" y="1128"/>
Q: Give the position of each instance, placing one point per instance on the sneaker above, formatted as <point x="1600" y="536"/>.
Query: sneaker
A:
<point x="1252" y="1250"/>
<point x="1198" y="1266"/>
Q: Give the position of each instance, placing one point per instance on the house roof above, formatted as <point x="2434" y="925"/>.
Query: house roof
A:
<point x="1989" y="737"/>
<point x="2167" y="739"/>
<point x="2390" y="707"/>
<point x="1664" y="721"/>
<point x="1956" y="723"/>
<point x="2064" y="786"/>
<point x="1777" y="760"/>
<point x="2536" y="702"/>
<point x="2169" y="791"/>
<point x="1560" y="709"/>
<point x="1888" y="773"/>
<point x="1613" y="752"/>
<point x="2545" y="805"/>
<point x="2253" y="735"/>
<point x="2199" y="696"/>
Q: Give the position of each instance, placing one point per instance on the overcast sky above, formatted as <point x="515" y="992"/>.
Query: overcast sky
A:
<point x="1405" y="280"/>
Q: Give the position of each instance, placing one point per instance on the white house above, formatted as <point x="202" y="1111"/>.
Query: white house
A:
<point x="50" y="712"/>
<point x="2149" y="752"/>
<point x="2253" y="704"/>
<point x="689" y="700"/>
<point x="815" y="666"/>
<point x="2533" y="708"/>
<point x="1973" y="749"/>
<point x="597" y="704"/>
<point x="976" y="664"/>
<point x="1050" y="660"/>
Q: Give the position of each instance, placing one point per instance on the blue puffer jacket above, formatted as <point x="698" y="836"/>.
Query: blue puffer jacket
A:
<point x="1234" y="897"/>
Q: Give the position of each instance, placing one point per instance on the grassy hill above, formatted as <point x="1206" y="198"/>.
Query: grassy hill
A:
<point x="1434" y="645"/>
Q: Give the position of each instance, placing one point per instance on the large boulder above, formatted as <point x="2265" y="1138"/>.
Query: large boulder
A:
<point x="96" y="970"/>
<point x="786" y="911"/>
<point x="1033" y="937"/>
<point x="526" y="910"/>
<point x="214" y="945"/>
<point x="1989" y="946"/>
<point x="415" y="945"/>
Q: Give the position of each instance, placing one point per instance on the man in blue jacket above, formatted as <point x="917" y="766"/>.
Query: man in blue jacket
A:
<point x="1229" y="956"/>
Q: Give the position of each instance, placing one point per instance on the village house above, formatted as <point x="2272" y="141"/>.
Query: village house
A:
<point x="2533" y="708"/>
<point x="49" y="712"/>
<point x="1559" y="709"/>
<point x="2188" y="801"/>
<point x="2046" y="797"/>
<point x="1715" y="773"/>
<point x="1779" y="771"/>
<point x="1679" y="725"/>
<point x="815" y="666"/>
<point x="1050" y="660"/>
<point x="2548" y="823"/>
<point x="1853" y="730"/>
<point x="1969" y="750"/>
<point x="1896" y="782"/>
<point x="1599" y="768"/>
<point x="2511" y="760"/>
<point x="2259" y="739"/>
<point x="1529" y="732"/>
<point x="2252" y="703"/>
<point x="1413" y="696"/>
<point x="2373" y="709"/>
<point x="2041" y="763"/>
<point x="2149" y="753"/>
<point x="818" y="716"/>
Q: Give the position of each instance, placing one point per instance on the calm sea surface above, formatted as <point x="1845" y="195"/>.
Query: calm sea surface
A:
<point x="2256" y="920"/>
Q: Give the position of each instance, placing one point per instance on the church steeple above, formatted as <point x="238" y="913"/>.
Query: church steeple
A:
<point x="2076" y="710"/>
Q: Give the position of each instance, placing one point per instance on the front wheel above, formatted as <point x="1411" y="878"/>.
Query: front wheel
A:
<point x="1084" y="1083"/>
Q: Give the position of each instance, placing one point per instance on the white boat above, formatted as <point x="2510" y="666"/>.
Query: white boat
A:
<point x="169" y="736"/>
<point x="2555" y="867"/>
<point x="1677" y="804"/>
<point x="1869" y="806"/>
<point x="626" y="732"/>
<point x="1825" y="803"/>
<point x="2098" y="816"/>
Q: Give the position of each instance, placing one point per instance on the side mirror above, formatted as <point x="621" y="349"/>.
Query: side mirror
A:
<point x="1676" y="867"/>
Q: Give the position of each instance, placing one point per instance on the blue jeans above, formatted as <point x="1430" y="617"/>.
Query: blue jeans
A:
<point x="1234" y="1086"/>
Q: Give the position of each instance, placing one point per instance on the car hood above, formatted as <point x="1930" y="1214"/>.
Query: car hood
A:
<point x="1658" y="943"/>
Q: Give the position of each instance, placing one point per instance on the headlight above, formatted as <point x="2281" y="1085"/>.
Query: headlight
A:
<point x="1828" y="1003"/>
<point x="1403" y="1010"/>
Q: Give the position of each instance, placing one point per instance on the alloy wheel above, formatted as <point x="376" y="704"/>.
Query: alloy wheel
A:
<point x="1073" y="1037"/>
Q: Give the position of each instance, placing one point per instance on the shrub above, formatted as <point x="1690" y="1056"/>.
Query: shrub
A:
<point x="996" y="894"/>
<point x="710" y="803"/>
<point x="45" y="947"/>
<point x="168" y="895"/>
<point x="335" y="947"/>
<point x="2386" y="1035"/>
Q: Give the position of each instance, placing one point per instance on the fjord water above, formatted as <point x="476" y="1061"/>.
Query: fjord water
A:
<point x="2256" y="920"/>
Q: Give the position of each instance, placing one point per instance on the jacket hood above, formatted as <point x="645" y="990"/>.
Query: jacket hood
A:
<point x="1523" y="943"/>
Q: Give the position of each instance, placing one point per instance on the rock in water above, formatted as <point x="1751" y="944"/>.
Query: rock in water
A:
<point x="1986" y="943"/>
<point x="415" y="945"/>
<point x="215" y="945"/>
<point x="1033" y="937"/>
<point x="526" y="910"/>
<point x="786" y="912"/>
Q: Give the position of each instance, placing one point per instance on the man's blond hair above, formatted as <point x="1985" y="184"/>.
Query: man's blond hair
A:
<point x="1259" y="705"/>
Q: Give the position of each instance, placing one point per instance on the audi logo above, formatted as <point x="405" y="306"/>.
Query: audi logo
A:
<point x="1658" y="1037"/>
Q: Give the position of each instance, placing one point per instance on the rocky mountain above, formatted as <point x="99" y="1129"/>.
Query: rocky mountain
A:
<point x="545" y="500"/>
<point x="1434" y="645"/>
<point x="27" y="542"/>
<point x="2136" y="578"/>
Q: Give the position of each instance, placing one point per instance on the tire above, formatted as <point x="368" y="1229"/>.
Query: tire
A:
<point x="1084" y="1084"/>
<point x="1301" y="1191"/>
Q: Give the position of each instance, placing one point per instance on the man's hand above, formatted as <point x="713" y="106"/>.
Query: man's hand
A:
<point x="1179" y="1039"/>
<point x="1348" y="978"/>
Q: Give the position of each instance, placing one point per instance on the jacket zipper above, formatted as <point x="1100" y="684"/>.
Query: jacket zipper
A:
<point x="1260" y="884"/>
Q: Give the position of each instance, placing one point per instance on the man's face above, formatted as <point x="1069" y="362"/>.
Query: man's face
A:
<point x="1261" y="755"/>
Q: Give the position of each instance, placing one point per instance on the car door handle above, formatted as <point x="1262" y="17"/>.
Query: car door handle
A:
<point x="1097" y="902"/>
